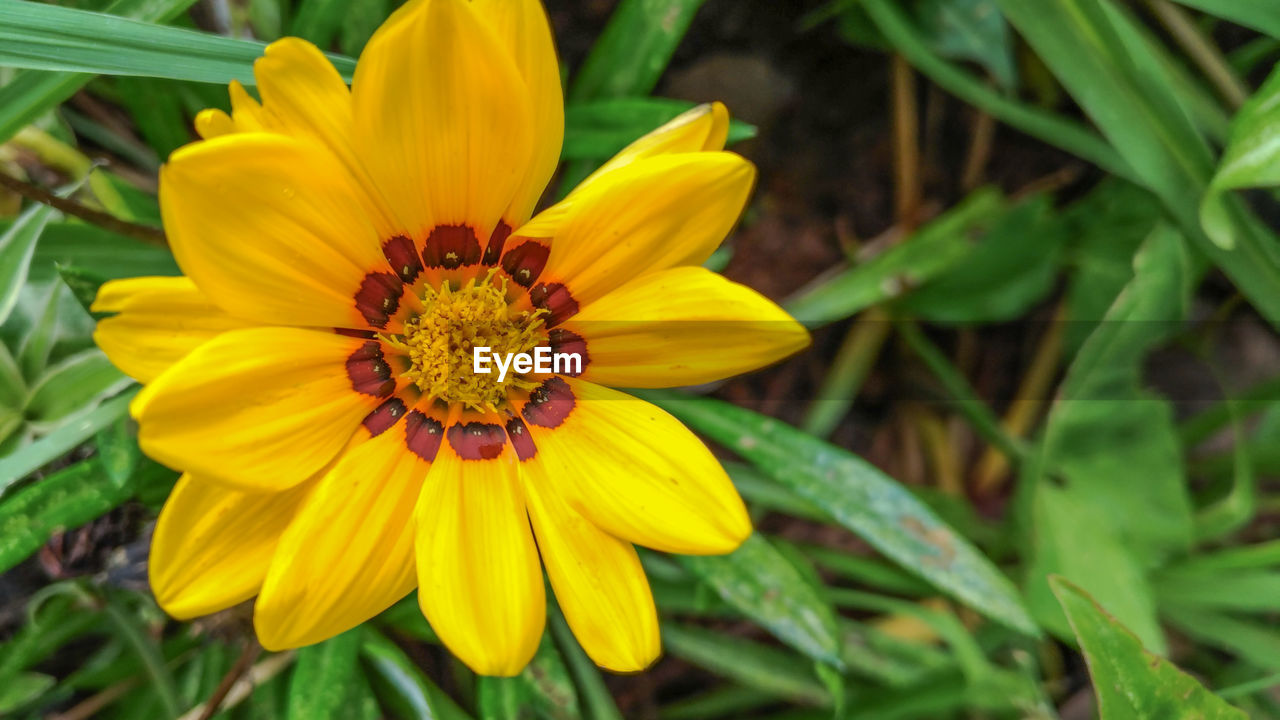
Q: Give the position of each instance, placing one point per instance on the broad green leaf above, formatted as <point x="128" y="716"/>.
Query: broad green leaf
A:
<point x="633" y="50"/>
<point x="598" y="129"/>
<point x="17" y="248"/>
<point x="362" y="19"/>
<point x="33" y="354"/>
<point x="762" y="667"/>
<point x="401" y="685"/>
<point x="1012" y="268"/>
<point x="1250" y="160"/>
<point x="500" y="698"/>
<point x="74" y="385"/>
<point x="761" y="583"/>
<point x="84" y="286"/>
<point x="548" y="684"/>
<point x="1261" y="15"/>
<point x="324" y="684"/>
<point x="1131" y="683"/>
<point x="971" y="30"/>
<point x="57" y="443"/>
<point x="47" y="37"/>
<point x="862" y="499"/>
<point x="23" y="689"/>
<point x="13" y="388"/>
<point x="1095" y="49"/>
<point x="1254" y="640"/>
<point x="105" y="253"/>
<point x="930" y="251"/>
<point x="318" y="20"/>
<point x="66" y="499"/>
<point x="597" y="702"/>
<point x="33" y="92"/>
<point x="156" y="109"/>
<point x="1108" y="489"/>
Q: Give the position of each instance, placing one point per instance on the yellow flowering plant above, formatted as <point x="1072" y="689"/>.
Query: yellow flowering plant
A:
<point x="312" y="373"/>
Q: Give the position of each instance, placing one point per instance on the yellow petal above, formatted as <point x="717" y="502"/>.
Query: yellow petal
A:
<point x="246" y="112"/>
<point x="349" y="554"/>
<point x="479" y="582"/>
<point x="160" y="320"/>
<point x="682" y="326"/>
<point x="261" y="408"/>
<point x="704" y="128"/>
<point x="597" y="578"/>
<point x="271" y="228"/>
<point x="303" y="94"/>
<point x="522" y="28"/>
<point x="212" y="545"/>
<point x="442" y="118"/>
<point x="653" y="214"/>
<point x="212" y="122"/>
<point x="638" y="474"/>
<point x="701" y="129"/>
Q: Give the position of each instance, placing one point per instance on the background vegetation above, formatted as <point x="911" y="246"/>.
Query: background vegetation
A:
<point x="1031" y="453"/>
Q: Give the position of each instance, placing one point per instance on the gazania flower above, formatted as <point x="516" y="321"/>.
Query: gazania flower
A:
<point x="313" y="376"/>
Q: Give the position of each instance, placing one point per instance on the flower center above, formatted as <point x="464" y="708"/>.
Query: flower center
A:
<point x="440" y="343"/>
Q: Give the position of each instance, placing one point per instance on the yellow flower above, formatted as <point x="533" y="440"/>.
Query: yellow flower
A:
<point x="312" y="374"/>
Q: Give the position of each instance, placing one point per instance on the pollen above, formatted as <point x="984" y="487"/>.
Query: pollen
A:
<point x="440" y="341"/>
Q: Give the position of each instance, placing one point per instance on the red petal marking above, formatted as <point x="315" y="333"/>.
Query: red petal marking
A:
<point x="565" y="341"/>
<point x="385" y="416"/>
<point x="379" y="297"/>
<point x="366" y="334"/>
<point x="556" y="299"/>
<point x="451" y="247"/>
<point x="549" y="404"/>
<point x="404" y="258"/>
<point x="369" y="372"/>
<point x="422" y="435"/>
<point x="520" y="440"/>
<point x="525" y="261"/>
<point x="477" y="440"/>
<point x="497" y="240"/>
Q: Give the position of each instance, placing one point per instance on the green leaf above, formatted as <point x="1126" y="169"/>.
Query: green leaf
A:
<point x="1250" y="160"/>
<point x="67" y="499"/>
<point x="1106" y="61"/>
<point x="598" y="129"/>
<point x="1013" y="267"/>
<point x="597" y="703"/>
<point x="400" y="684"/>
<point x="971" y="30"/>
<point x="548" y="685"/>
<point x="84" y="286"/>
<point x="861" y="498"/>
<point x="318" y="20"/>
<point x="362" y="19"/>
<point x="1254" y="641"/>
<point x="1131" y="683"/>
<point x="33" y="92"/>
<point x="1090" y="522"/>
<point x="758" y="666"/>
<point x="100" y="252"/>
<point x="73" y="385"/>
<point x="17" y="248"/>
<point x="762" y="584"/>
<point x="57" y="443"/>
<point x="23" y="689"/>
<point x="13" y="387"/>
<point x="633" y="50"/>
<point x="47" y="37"/>
<point x="324" y="684"/>
<point x="928" y="253"/>
<point x="33" y="354"/>
<point x="501" y="698"/>
<point x="1261" y="15"/>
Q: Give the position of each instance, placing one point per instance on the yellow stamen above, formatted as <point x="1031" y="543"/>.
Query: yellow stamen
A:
<point x="440" y="342"/>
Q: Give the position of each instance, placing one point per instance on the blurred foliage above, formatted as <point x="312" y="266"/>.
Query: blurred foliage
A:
<point x="1133" y="535"/>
